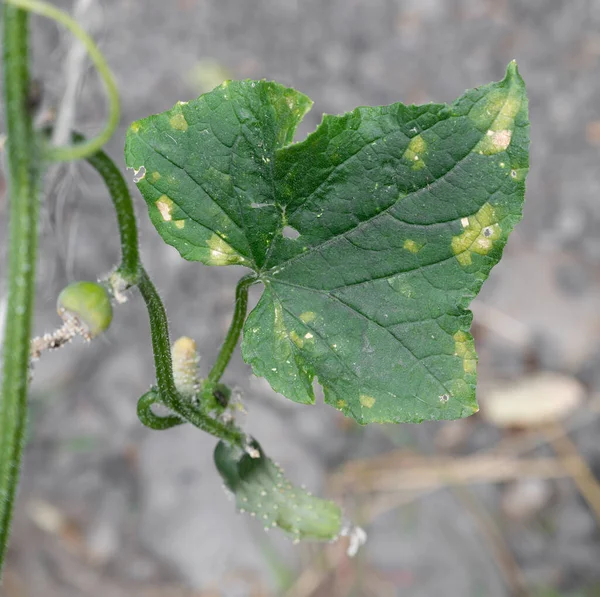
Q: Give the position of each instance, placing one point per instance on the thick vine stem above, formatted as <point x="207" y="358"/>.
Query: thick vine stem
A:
<point x="85" y="148"/>
<point x="23" y="177"/>
<point x="235" y="329"/>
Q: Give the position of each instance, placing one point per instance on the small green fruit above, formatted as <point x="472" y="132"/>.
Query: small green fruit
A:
<point x="261" y="489"/>
<point x="88" y="304"/>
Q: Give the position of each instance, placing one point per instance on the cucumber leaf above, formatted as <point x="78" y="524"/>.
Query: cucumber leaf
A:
<point x="371" y="237"/>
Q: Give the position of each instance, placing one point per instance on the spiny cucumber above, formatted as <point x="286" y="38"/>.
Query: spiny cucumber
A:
<point x="261" y="489"/>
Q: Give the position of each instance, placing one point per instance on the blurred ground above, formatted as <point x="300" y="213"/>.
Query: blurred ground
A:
<point x="108" y="508"/>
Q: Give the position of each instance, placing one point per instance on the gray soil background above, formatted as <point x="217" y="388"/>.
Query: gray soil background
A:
<point x="108" y="508"/>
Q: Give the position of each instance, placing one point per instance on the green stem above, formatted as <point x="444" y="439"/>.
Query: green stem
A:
<point x="84" y="149"/>
<point x="161" y="345"/>
<point x="131" y="268"/>
<point x="149" y="419"/>
<point x="235" y="329"/>
<point x="23" y="179"/>
<point x="119" y="193"/>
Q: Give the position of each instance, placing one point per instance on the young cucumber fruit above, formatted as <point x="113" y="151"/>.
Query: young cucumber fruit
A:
<point x="88" y="305"/>
<point x="261" y="489"/>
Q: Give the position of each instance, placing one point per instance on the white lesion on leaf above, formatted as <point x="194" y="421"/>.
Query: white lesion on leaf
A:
<point x="139" y="174"/>
<point x="480" y="232"/>
<point x="501" y="105"/>
<point x="164" y="205"/>
<point x="494" y="142"/>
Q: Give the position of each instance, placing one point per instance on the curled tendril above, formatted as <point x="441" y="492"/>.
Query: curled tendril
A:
<point x="85" y="148"/>
<point x="152" y="420"/>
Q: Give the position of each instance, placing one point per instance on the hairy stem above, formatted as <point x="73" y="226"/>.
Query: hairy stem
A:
<point x="161" y="345"/>
<point x="23" y="176"/>
<point x="119" y="193"/>
<point x="134" y="273"/>
<point x="149" y="419"/>
<point x="235" y="329"/>
<point x="85" y="148"/>
<point x="168" y="393"/>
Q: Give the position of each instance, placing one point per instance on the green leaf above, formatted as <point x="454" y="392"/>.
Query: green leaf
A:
<point x="398" y="213"/>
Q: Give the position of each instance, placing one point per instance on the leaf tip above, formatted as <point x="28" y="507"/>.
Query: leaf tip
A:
<point x="513" y="76"/>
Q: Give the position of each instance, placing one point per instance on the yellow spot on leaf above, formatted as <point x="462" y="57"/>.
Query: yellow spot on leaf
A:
<point x="178" y="122"/>
<point x="308" y="316"/>
<point x="478" y="236"/>
<point x="496" y="113"/>
<point x="417" y="147"/>
<point x="341" y="404"/>
<point x="412" y="246"/>
<point x="499" y="109"/>
<point x="464" y="347"/>
<point x="367" y="401"/>
<point x="135" y="127"/>
<point x="164" y="206"/>
<point x="221" y="253"/>
<point x="155" y="176"/>
<point x="179" y="224"/>
<point x="299" y="342"/>
<point x="279" y="324"/>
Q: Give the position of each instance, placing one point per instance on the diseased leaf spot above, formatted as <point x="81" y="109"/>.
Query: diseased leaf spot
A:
<point x="178" y="122"/>
<point x="179" y="224"/>
<point x="297" y="340"/>
<point x="479" y="235"/>
<point x="289" y="232"/>
<point x="412" y="246"/>
<point x="155" y="176"/>
<point x="139" y="174"/>
<point x="367" y="401"/>
<point x="308" y="316"/>
<point x="165" y="207"/>
<point x="221" y="253"/>
<point x="417" y="147"/>
<point x="494" y="142"/>
<point x="501" y="106"/>
<point x="444" y="398"/>
<point x="464" y="347"/>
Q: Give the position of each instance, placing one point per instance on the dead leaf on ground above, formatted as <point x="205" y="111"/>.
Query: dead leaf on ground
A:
<point x="532" y="401"/>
